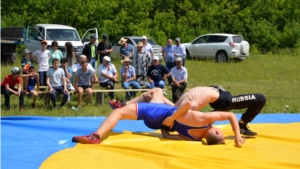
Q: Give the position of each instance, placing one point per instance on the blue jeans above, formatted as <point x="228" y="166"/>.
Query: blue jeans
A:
<point x="111" y="84"/>
<point x="7" y="98"/>
<point x="59" y="89"/>
<point x="43" y="78"/>
<point x="134" y="84"/>
<point x="93" y="63"/>
<point x="161" y="84"/>
<point x="169" y="65"/>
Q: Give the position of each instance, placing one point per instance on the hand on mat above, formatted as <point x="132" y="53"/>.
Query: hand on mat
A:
<point x="239" y="141"/>
<point x="168" y="122"/>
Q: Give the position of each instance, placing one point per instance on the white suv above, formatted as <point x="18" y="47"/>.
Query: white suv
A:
<point x="219" y="46"/>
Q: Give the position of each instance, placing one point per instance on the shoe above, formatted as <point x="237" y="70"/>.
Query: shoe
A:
<point x="107" y="87"/>
<point x="7" y="109"/>
<point x="93" y="138"/>
<point x="165" y="94"/>
<point x="142" y="82"/>
<point x="245" y="130"/>
<point x="116" y="104"/>
<point x="33" y="105"/>
<point x="25" y="91"/>
<point x="75" y="108"/>
<point x="22" y="109"/>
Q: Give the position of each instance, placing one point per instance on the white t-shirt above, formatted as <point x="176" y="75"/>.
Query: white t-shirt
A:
<point x="56" y="76"/>
<point x="110" y="71"/>
<point x="42" y="58"/>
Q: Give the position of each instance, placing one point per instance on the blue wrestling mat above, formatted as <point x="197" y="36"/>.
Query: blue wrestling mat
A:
<point x="26" y="142"/>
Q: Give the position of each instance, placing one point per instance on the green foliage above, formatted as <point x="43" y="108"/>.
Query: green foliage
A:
<point x="267" y="24"/>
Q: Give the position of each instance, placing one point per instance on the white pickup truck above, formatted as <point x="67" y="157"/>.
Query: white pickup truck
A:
<point x="59" y="33"/>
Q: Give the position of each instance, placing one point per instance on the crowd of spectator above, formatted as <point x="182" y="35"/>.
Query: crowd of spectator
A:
<point x="62" y="73"/>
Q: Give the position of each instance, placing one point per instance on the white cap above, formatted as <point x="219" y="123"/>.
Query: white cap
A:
<point x="82" y="56"/>
<point x="155" y="58"/>
<point x="144" y="37"/>
<point x="177" y="39"/>
<point x="15" y="70"/>
<point x="107" y="58"/>
<point x="178" y="59"/>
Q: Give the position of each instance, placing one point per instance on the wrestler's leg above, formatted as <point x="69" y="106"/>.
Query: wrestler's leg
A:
<point x="128" y="112"/>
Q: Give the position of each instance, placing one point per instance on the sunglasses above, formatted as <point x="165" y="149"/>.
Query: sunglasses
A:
<point x="55" y="45"/>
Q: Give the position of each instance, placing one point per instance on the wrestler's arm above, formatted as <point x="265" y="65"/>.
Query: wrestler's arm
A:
<point x="165" y="133"/>
<point x="169" y="121"/>
<point x="222" y="116"/>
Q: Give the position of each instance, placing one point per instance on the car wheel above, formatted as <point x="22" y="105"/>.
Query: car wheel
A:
<point x="221" y="57"/>
<point x="188" y="56"/>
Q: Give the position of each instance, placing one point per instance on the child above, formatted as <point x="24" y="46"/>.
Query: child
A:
<point x="8" y="88"/>
<point x="26" y="64"/>
<point x="33" y="79"/>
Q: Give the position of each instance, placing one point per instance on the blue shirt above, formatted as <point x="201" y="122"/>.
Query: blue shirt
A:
<point x="180" y="51"/>
<point x="131" y="71"/>
<point x="170" y="51"/>
<point x="126" y="50"/>
<point x="179" y="74"/>
<point x="156" y="73"/>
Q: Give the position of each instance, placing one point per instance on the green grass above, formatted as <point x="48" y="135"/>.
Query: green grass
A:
<point x="276" y="76"/>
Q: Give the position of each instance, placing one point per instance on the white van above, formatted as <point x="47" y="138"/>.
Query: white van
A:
<point x="59" y="33"/>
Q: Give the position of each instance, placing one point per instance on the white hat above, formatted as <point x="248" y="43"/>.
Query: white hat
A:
<point x="126" y="59"/>
<point x="178" y="59"/>
<point x="144" y="37"/>
<point x="155" y="58"/>
<point x="107" y="58"/>
<point x="177" y="39"/>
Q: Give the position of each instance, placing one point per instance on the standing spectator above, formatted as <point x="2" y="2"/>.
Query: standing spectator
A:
<point x="141" y="60"/>
<point x="168" y="53"/>
<point x="90" y="51"/>
<point x="179" y="79"/>
<point x="8" y="87"/>
<point x="108" y="75"/>
<point x="84" y="83"/>
<point x="70" y="55"/>
<point x="147" y="46"/>
<point x="104" y="48"/>
<point x="180" y="50"/>
<point x="68" y="75"/>
<point x="54" y="52"/>
<point x="128" y="77"/>
<point x="157" y="73"/>
<point x="41" y="57"/>
<point x="33" y="79"/>
<point x="26" y="64"/>
<point x="57" y="83"/>
<point x="126" y="50"/>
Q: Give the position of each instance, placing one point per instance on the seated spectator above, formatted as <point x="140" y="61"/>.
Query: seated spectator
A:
<point x="141" y="60"/>
<point x="179" y="79"/>
<point x="8" y="87"/>
<point x="157" y="73"/>
<point x="84" y="83"/>
<point x="26" y="64"/>
<point x="108" y="75"/>
<point x="128" y="77"/>
<point x="33" y="79"/>
<point x="56" y="82"/>
<point x="68" y="75"/>
<point x="83" y="58"/>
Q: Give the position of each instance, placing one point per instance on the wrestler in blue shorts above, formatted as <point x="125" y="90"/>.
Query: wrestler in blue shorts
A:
<point x="191" y="125"/>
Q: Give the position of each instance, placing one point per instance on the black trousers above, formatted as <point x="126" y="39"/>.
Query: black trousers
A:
<point x="253" y="103"/>
<point x="111" y="84"/>
<point x="177" y="92"/>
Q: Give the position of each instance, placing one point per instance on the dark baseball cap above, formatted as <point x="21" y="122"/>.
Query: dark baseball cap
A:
<point x="93" y="37"/>
<point x="105" y="37"/>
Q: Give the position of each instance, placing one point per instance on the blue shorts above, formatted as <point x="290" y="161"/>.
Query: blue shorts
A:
<point x="154" y="114"/>
<point x="30" y="88"/>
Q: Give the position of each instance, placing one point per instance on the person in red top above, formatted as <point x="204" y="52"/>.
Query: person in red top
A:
<point x="8" y="87"/>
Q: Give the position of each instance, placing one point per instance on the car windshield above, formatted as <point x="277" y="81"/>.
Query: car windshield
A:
<point x="237" y="39"/>
<point x="148" y="40"/>
<point x="62" y="34"/>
